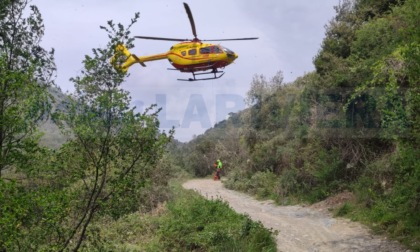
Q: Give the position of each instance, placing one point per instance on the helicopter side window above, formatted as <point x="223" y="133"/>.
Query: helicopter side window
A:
<point x="217" y="49"/>
<point x="205" y="50"/>
<point x="192" y="52"/>
<point x="183" y="53"/>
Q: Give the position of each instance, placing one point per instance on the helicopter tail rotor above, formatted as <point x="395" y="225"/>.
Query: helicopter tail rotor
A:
<point x="123" y="59"/>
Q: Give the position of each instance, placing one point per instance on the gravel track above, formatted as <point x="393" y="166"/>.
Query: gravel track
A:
<point x="300" y="228"/>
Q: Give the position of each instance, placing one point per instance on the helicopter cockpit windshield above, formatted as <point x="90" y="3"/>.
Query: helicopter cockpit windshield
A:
<point x="228" y="51"/>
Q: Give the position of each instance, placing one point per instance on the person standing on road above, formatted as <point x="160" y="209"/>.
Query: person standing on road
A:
<point x="218" y="168"/>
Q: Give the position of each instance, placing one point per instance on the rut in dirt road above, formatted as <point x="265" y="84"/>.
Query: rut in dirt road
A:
<point x="300" y="228"/>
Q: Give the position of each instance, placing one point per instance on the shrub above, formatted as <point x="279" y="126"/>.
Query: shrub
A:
<point x="262" y="184"/>
<point x="196" y="224"/>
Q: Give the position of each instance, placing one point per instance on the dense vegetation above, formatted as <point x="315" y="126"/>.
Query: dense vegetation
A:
<point x="353" y="124"/>
<point x="186" y="223"/>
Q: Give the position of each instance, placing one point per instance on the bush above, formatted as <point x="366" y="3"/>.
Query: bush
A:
<point x="237" y="179"/>
<point x="262" y="185"/>
<point x="187" y="223"/>
<point x="196" y="224"/>
<point x="389" y="197"/>
<point x="288" y="185"/>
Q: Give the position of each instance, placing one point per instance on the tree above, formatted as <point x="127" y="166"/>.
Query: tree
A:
<point x="25" y="73"/>
<point x="114" y="149"/>
<point x="260" y="93"/>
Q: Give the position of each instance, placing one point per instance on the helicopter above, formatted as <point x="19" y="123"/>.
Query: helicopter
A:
<point x="189" y="55"/>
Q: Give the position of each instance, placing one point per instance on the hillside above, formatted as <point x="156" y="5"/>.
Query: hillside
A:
<point x="351" y="125"/>
<point x="52" y="135"/>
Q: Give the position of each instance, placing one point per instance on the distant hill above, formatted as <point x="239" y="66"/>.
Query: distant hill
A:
<point x="53" y="137"/>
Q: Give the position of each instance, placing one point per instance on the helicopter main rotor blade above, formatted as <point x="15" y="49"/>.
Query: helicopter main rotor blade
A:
<point x="229" y="39"/>
<point x="159" y="38"/>
<point x="190" y="17"/>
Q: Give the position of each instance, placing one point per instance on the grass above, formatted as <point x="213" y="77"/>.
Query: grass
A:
<point x="187" y="223"/>
<point x="382" y="220"/>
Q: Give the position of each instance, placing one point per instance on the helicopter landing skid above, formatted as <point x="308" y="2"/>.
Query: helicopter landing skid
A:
<point x="215" y="76"/>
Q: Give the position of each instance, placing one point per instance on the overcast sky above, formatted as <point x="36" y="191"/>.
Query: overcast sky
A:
<point x="290" y="34"/>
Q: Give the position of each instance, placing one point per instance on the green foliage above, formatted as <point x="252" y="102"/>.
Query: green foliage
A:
<point x="111" y="164"/>
<point x="403" y="204"/>
<point x="264" y="156"/>
<point x="289" y="183"/>
<point x="267" y="185"/>
<point x="115" y="150"/>
<point x="187" y="223"/>
<point x="260" y="93"/>
<point x="345" y="209"/>
<point x="368" y="9"/>
<point x="199" y="162"/>
<point x="13" y="213"/>
<point x="374" y="39"/>
<point x="28" y="214"/>
<point x="31" y="217"/>
<point x="262" y="184"/>
<point x="388" y="195"/>
<point x="196" y="224"/>
<point x="328" y="173"/>
<point x="222" y="142"/>
<point x="330" y="62"/>
<point x="132" y="232"/>
<point x="25" y="72"/>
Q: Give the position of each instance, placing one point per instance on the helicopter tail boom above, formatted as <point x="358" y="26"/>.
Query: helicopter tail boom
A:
<point x="132" y="58"/>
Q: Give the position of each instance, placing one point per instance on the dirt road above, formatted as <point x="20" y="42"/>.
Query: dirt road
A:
<point x="300" y="228"/>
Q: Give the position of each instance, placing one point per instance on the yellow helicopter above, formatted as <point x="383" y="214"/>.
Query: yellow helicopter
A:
<point x="190" y="55"/>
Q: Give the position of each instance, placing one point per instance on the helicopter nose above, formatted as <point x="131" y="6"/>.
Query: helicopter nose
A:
<point x="232" y="56"/>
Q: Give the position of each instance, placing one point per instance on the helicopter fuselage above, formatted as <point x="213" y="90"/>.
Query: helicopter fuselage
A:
<point x="197" y="56"/>
<point x="189" y="57"/>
